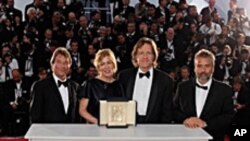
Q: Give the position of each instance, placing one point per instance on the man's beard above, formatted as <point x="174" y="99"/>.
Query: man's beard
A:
<point x="203" y="77"/>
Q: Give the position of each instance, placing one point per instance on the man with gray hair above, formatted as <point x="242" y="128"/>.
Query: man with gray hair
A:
<point x="204" y="102"/>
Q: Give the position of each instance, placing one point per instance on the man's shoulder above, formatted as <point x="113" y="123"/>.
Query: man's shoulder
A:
<point x="29" y="5"/>
<point x="45" y="82"/>
<point x="127" y="72"/>
<point x="73" y="83"/>
<point x="162" y="75"/>
<point x="221" y="85"/>
<point x="188" y="83"/>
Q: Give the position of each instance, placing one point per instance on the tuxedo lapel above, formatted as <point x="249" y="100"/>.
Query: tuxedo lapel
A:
<point x="193" y="100"/>
<point x="71" y="93"/>
<point x="153" y="94"/>
<point x="131" y="83"/>
<point x="209" y="101"/>
<point x="71" y="100"/>
<point x="13" y="95"/>
<point x="56" y="93"/>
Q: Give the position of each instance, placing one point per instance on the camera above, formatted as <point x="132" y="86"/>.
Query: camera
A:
<point x="170" y="51"/>
<point x="229" y="61"/>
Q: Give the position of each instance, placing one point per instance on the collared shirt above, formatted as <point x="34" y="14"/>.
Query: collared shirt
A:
<point x="171" y="55"/>
<point x="68" y="44"/>
<point x="12" y="65"/>
<point x="76" y="58"/>
<point x="18" y="91"/>
<point x="63" y="92"/>
<point x="29" y="66"/>
<point x="130" y="34"/>
<point x="2" y="74"/>
<point x="142" y="91"/>
<point x="201" y="96"/>
<point x="214" y="28"/>
<point x="235" y="96"/>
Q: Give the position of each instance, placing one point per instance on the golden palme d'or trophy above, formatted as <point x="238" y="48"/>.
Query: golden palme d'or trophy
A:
<point x="117" y="113"/>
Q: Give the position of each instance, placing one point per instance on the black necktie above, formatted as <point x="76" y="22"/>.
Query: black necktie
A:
<point x="202" y="87"/>
<point x="65" y="84"/>
<point x="147" y="74"/>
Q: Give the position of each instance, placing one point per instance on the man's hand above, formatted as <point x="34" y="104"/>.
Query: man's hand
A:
<point x="239" y="106"/>
<point x="80" y="70"/>
<point x="13" y="105"/>
<point x="194" y="122"/>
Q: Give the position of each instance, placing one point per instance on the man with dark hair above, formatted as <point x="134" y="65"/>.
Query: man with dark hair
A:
<point x="16" y="96"/>
<point x="78" y="62"/>
<point x="206" y="11"/>
<point x="54" y="99"/>
<point x="204" y="102"/>
<point x="241" y="99"/>
<point x="11" y="11"/>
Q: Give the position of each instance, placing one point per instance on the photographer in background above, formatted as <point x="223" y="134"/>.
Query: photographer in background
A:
<point x="224" y="64"/>
<point x="241" y="16"/>
<point x="16" y="98"/>
<point x="210" y="30"/>
<point x="241" y="99"/>
<point x="244" y="24"/>
<point x="168" y="46"/>
<point x="232" y="9"/>
<point x="240" y="65"/>
<point x="240" y="45"/>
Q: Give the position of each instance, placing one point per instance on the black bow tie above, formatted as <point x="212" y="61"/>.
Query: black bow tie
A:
<point x="65" y="84"/>
<point x="147" y="74"/>
<point x="202" y="87"/>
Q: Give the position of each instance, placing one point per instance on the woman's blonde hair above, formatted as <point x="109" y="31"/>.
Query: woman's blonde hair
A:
<point x="105" y="53"/>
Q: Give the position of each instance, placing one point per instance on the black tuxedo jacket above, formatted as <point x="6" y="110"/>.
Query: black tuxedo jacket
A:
<point x="217" y="112"/>
<point x="47" y="105"/>
<point x="206" y="11"/>
<point x="9" y="91"/>
<point x="128" y="11"/>
<point x="242" y="116"/>
<point x="160" y="100"/>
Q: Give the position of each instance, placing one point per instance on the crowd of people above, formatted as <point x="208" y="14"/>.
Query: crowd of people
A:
<point x="58" y="62"/>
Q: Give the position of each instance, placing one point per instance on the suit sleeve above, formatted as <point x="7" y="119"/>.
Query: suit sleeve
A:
<point x="36" y="104"/>
<point x="179" y="114"/>
<point x="167" y="109"/>
<point x="120" y="78"/>
<point x="224" y="119"/>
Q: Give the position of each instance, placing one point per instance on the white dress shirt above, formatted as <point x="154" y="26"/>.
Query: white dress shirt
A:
<point x="63" y="92"/>
<point x="12" y="65"/>
<point x="171" y="47"/>
<point x="2" y="74"/>
<point x="201" y="96"/>
<point x="215" y="28"/>
<point x="142" y="91"/>
<point x="18" y="91"/>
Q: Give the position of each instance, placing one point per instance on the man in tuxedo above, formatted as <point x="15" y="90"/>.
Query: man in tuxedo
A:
<point x="241" y="98"/>
<point x="54" y="99"/>
<point x="149" y="87"/>
<point x="168" y="46"/>
<point x="78" y="62"/>
<point x="206" y="11"/>
<point x="16" y="97"/>
<point x="204" y="102"/>
<point x="11" y="11"/>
